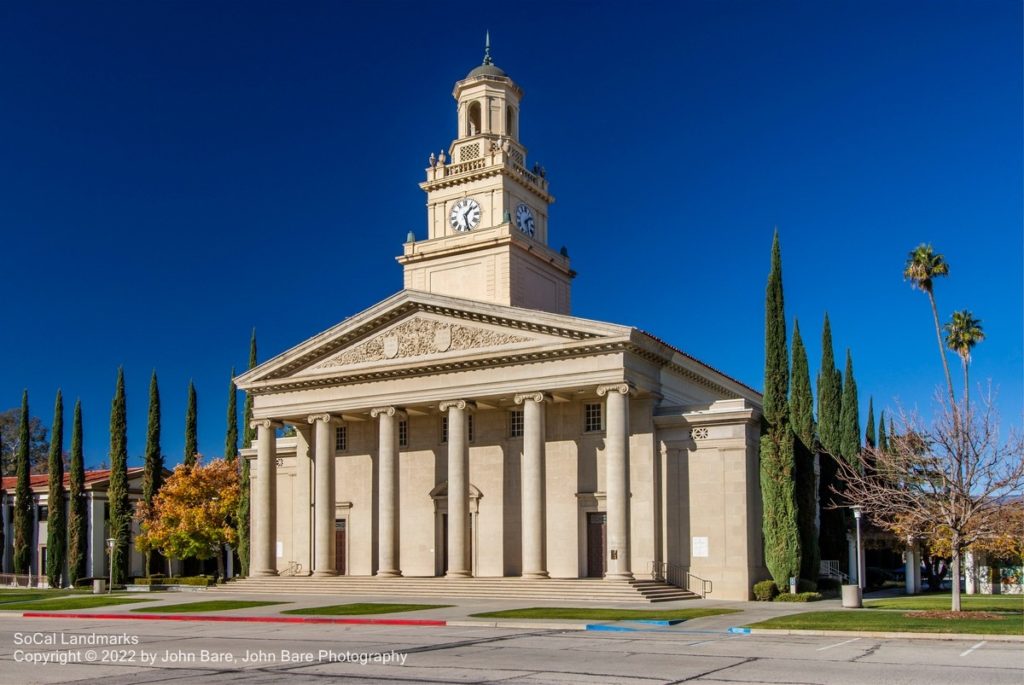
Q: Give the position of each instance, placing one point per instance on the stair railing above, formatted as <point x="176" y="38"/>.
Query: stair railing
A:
<point x="678" y="575"/>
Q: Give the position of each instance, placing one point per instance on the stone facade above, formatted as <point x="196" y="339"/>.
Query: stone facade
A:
<point x="469" y="426"/>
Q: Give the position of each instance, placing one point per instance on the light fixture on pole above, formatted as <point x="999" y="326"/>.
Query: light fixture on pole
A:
<point x="110" y="548"/>
<point x="860" y="553"/>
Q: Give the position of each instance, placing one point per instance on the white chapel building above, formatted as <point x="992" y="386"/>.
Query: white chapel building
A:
<point x="469" y="426"/>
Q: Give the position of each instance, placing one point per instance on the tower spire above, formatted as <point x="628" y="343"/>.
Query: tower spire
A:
<point x="487" y="48"/>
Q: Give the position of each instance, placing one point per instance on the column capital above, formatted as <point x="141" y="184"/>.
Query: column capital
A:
<point x="457" y="404"/>
<point x="625" y="388"/>
<point x="537" y="397"/>
<point x="326" y="418"/>
<point x="264" y="423"/>
<point x="389" y="411"/>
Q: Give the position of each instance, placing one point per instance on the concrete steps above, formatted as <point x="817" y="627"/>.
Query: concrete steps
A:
<point x="550" y="589"/>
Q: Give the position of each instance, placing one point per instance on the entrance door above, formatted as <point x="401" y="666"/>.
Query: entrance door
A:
<point x="444" y="544"/>
<point x="339" y="546"/>
<point x="596" y="544"/>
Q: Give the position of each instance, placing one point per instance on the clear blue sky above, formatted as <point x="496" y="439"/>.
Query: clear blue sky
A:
<point x="174" y="173"/>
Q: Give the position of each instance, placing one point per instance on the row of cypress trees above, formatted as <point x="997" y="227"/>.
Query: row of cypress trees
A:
<point x="798" y="476"/>
<point x="67" y="531"/>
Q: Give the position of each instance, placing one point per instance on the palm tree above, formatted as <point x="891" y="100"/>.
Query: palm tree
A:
<point x="923" y="266"/>
<point x="963" y="332"/>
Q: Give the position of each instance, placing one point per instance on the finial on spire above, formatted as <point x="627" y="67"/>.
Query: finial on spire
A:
<point x="487" y="48"/>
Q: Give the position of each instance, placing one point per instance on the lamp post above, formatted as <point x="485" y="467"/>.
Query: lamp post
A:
<point x="860" y="554"/>
<point x="110" y="551"/>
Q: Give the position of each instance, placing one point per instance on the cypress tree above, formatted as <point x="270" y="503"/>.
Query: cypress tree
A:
<point x="56" y="531"/>
<point x="869" y="433"/>
<point x="191" y="442"/>
<point x="117" y="492"/>
<point x="77" y="516"/>
<point x="883" y="438"/>
<point x="781" y="533"/>
<point x="801" y="404"/>
<point x="850" y="435"/>
<point x="832" y="522"/>
<point x="231" y="434"/>
<point x="23" y="496"/>
<point x="248" y="435"/>
<point x="829" y="394"/>
<point x="153" y="472"/>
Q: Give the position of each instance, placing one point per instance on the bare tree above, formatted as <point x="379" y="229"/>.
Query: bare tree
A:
<point x="953" y="483"/>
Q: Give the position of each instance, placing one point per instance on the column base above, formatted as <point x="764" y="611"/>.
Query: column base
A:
<point x="324" y="573"/>
<point x="389" y="574"/>
<point x="458" y="574"/>
<point x="535" y="574"/>
<point x="626" y="575"/>
<point x="264" y="572"/>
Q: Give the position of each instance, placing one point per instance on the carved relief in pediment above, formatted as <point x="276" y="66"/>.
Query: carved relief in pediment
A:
<point x="419" y="337"/>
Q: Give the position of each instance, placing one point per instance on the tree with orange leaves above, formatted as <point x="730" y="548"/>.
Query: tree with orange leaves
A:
<point x="193" y="513"/>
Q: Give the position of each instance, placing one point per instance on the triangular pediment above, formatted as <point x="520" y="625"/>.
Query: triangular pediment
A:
<point x="415" y="332"/>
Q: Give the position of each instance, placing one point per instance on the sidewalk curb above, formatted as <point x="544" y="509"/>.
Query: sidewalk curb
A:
<point x="520" y="625"/>
<point x="422" y="622"/>
<point x="882" y="634"/>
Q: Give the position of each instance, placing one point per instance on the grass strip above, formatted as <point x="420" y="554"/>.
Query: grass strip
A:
<point x="195" y="607"/>
<point x="68" y="603"/>
<point x="599" y="614"/>
<point x="1012" y="603"/>
<point x="888" y="621"/>
<point x="362" y="609"/>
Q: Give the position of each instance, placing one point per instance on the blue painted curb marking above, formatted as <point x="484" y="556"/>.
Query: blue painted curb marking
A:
<point x="740" y="631"/>
<point x="603" y="626"/>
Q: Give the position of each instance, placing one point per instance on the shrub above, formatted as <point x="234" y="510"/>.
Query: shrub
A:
<point x="765" y="590"/>
<point x="799" y="597"/>
<point x="201" y="581"/>
<point x="804" y="585"/>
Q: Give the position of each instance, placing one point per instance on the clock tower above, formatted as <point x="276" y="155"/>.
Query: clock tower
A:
<point x="487" y="213"/>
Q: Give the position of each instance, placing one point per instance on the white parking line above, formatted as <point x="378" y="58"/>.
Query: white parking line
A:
<point x="968" y="651"/>
<point x="838" y="644"/>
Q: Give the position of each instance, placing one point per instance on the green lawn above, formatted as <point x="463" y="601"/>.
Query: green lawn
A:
<point x="939" y="602"/>
<point x="195" y="607"/>
<point x="891" y="621"/>
<point x="362" y="609"/>
<point x="598" y="614"/>
<point x="68" y="603"/>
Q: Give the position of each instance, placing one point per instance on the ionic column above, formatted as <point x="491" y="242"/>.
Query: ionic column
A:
<point x="458" y="488"/>
<point x="264" y="519"/>
<point x="387" y="490"/>
<point x="617" y="479"/>
<point x="323" y="495"/>
<point x="534" y="557"/>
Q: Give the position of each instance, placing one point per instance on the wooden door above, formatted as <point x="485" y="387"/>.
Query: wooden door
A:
<point x="444" y="544"/>
<point x="339" y="546"/>
<point x="596" y="551"/>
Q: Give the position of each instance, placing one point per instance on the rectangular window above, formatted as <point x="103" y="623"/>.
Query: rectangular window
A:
<point x="444" y="429"/>
<point x="469" y="421"/>
<point x="341" y="438"/>
<point x="44" y="512"/>
<point x="515" y="423"/>
<point x="403" y="433"/>
<point x="592" y="418"/>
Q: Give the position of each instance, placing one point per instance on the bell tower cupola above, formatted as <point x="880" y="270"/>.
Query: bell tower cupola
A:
<point x="487" y="213"/>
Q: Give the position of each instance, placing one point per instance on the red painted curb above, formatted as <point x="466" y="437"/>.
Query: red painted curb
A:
<point x="244" y="619"/>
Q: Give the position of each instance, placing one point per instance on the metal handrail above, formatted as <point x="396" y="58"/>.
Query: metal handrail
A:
<point x="678" y="575"/>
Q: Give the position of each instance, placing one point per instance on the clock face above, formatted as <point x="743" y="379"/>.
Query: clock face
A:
<point x="524" y="219"/>
<point x="465" y="214"/>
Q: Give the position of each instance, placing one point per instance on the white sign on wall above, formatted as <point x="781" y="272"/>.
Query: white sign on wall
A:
<point x="700" y="547"/>
<point x="280" y="549"/>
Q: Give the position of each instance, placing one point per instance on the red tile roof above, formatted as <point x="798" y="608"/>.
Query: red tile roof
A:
<point x="40" y="480"/>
